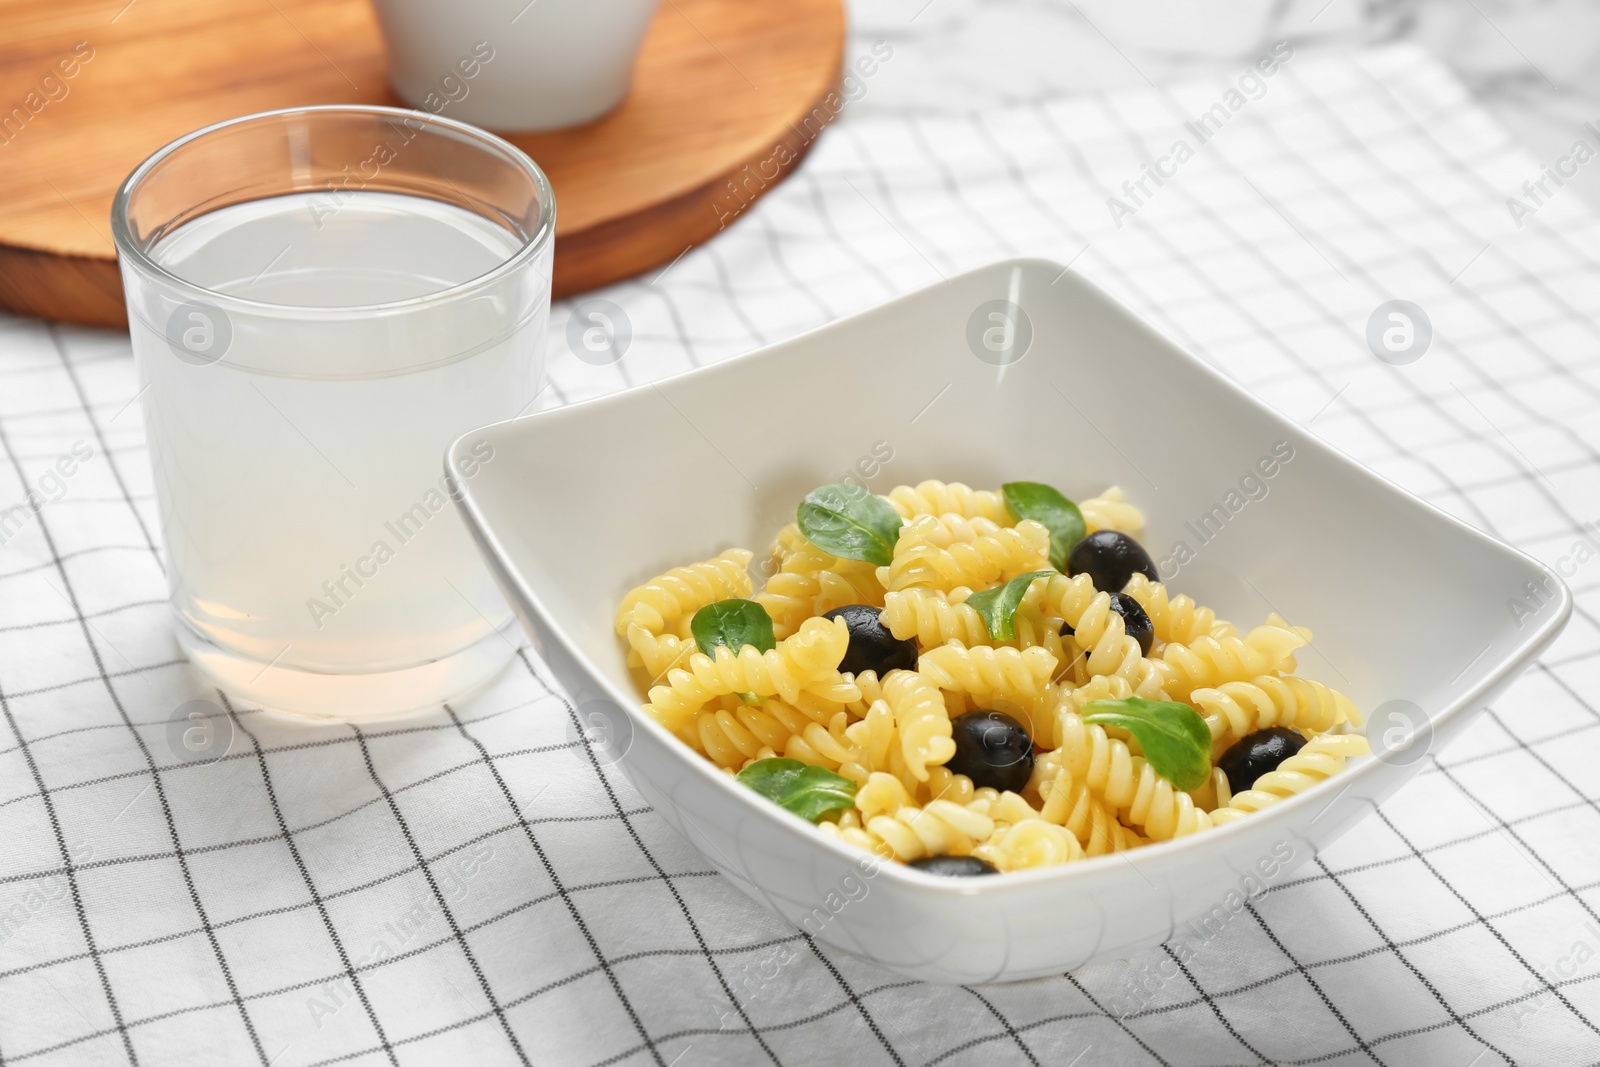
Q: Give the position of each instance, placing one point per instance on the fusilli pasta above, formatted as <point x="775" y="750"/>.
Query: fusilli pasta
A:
<point x="1038" y="627"/>
<point x="810" y="582"/>
<point x="1141" y="796"/>
<point x="1235" y="709"/>
<point x="1109" y="511"/>
<point x="949" y="551"/>
<point x="682" y="591"/>
<point x="938" y="498"/>
<point x="1208" y="662"/>
<point x="921" y="719"/>
<point x="1100" y="633"/>
<point x="872" y="745"/>
<point x="932" y="618"/>
<point x="1029" y="843"/>
<point x="1073" y="805"/>
<point x="1020" y="677"/>
<point x="810" y="656"/>
<point x="1176" y="618"/>
<point x="890" y="819"/>
<point x="1320" y="759"/>
<point x="977" y="758"/>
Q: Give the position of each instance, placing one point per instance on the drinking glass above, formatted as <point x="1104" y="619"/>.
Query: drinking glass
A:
<point x="320" y="300"/>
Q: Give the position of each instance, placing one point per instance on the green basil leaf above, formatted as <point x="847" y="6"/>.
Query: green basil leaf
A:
<point x="850" y="522"/>
<point x="810" y="792"/>
<point x="998" y="606"/>
<point x="1173" y="736"/>
<point x="1044" y="505"/>
<point x="734" y="623"/>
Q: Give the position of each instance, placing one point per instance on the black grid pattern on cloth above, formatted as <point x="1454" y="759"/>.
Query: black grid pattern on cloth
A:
<point x="473" y="886"/>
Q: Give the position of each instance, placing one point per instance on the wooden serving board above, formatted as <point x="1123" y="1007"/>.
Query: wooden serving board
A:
<point x="721" y="85"/>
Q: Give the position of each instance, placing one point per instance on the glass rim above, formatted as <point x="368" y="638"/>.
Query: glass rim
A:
<point x="122" y="232"/>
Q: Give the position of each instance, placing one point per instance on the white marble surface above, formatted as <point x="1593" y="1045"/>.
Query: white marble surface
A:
<point x="1535" y="64"/>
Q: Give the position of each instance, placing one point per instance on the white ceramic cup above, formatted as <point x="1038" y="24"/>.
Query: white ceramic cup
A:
<point x="514" y="65"/>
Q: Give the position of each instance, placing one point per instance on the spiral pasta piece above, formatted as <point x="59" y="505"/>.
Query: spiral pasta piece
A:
<point x="1142" y="797"/>
<point x="1003" y="808"/>
<point x="788" y="598"/>
<point x="947" y="552"/>
<point x="730" y="738"/>
<point x="932" y="618"/>
<point x="1073" y="805"/>
<point x="1175" y="618"/>
<point x="664" y="599"/>
<point x="1214" y="793"/>
<point x="788" y="543"/>
<point x="821" y="746"/>
<point x="1029" y="843"/>
<point x="808" y="658"/>
<point x="835" y="688"/>
<point x="891" y="824"/>
<point x="1099" y="632"/>
<point x="817" y="705"/>
<point x="1018" y="676"/>
<point x="1109" y="511"/>
<point x="837" y="588"/>
<point x="1036" y="625"/>
<point x="872" y="747"/>
<point x="656" y="653"/>
<point x="810" y="707"/>
<point x="882" y="794"/>
<point x="810" y="582"/>
<point x="869" y="690"/>
<point x="1102" y="635"/>
<point x="1275" y="619"/>
<point x="920" y="719"/>
<point x="1320" y="759"/>
<point x="1235" y="709"/>
<point x="1208" y="662"/>
<point x="953" y="498"/>
<point x="1099" y="687"/>
<point x="945" y="784"/>
<point x="1035" y="629"/>
<point x="803" y="557"/>
<point x="1221" y="788"/>
<point x="1066" y="598"/>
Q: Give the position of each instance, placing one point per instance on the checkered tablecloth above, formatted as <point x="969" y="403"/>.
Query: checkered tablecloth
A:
<point x="473" y="887"/>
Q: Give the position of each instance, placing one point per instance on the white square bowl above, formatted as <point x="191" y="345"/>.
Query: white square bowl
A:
<point x="1408" y="604"/>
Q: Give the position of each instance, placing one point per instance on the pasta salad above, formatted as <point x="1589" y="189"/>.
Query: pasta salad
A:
<point x="974" y="681"/>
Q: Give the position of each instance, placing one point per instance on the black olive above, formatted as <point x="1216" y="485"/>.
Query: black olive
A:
<point x="992" y="749"/>
<point x="953" y="866"/>
<point x="1110" y="558"/>
<point x="1257" y="754"/>
<point x="872" y="646"/>
<point x="1135" y="620"/>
